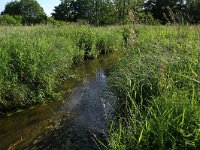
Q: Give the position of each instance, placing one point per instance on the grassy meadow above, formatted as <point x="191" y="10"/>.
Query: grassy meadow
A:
<point x="34" y="59"/>
<point x="158" y="85"/>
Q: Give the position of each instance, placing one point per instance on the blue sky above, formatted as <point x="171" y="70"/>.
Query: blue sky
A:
<point x="48" y="5"/>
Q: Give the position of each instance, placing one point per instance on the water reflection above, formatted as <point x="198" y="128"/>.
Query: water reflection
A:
<point x="67" y="124"/>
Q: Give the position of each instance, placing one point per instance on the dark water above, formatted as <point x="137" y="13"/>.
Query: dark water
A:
<point x="73" y="123"/>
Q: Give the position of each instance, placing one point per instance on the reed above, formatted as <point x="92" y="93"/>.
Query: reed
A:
<point x="158" y="85"/>
<point x="33" y="59"/>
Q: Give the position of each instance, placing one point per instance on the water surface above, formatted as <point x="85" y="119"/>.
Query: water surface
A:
<point x="84" y="112"/>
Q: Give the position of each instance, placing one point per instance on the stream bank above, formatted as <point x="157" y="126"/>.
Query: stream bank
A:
<point x="85" y="111"/>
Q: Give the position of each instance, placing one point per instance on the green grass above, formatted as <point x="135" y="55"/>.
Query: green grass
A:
<point x="158" y="85"/>
<point x="34" y="59"/>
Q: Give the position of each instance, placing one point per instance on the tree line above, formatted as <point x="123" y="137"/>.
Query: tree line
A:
<point x="107" y="12"/>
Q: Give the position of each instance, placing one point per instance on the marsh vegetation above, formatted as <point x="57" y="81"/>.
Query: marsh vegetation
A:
<point x="158" y="86"/>
<point x="148" y="97"/>
<point x="35" y="59"/>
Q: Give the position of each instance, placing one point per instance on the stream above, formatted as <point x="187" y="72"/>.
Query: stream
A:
<point x="83" y="114"/>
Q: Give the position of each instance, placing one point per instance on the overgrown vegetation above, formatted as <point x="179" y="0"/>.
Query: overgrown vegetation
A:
<point x="158" y="84"/>
<point x="10" y="20"/>
<point x="33" y="59"/>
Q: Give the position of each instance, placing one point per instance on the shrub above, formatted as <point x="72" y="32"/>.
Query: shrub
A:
<point x="10" y="20"/>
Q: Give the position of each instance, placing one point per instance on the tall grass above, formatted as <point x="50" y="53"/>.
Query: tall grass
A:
<point x="158" y="84"/>
<point x="32" y="59"/>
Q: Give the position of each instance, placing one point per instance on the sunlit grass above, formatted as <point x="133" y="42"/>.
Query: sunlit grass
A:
<point x="158" y="84"/>
<point x="34" y="58"/>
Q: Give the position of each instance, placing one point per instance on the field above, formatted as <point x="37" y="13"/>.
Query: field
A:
<point x="158" y="85"/>
<point x="34" y="60"/>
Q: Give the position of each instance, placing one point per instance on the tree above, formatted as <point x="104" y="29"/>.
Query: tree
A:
<point x="98" y="12"/>
<point x="123" y="8"/>
<point x="30" y="10"/>
<point x="107" y="13"/>
<point x="193" y="10"/>
<point x="12" y="8"/>
<point x="63" y="11"/>
<point x="164" y="10"/>
<point x="120" y="7"/>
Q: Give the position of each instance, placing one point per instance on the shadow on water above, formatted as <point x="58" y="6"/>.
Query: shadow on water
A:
<point x="85" y="111"/>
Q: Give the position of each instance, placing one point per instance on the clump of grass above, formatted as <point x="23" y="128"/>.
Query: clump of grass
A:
<point x="158" y="84"/>
<point x="34" y="58"/>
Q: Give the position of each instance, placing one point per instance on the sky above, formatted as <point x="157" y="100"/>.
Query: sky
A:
<point x="48" y="5"/>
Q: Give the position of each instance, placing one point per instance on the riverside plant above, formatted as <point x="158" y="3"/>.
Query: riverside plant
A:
<point x="34" y="59"/>
<point x="158" y="85"/>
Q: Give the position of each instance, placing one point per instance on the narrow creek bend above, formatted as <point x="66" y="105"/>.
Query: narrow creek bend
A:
<point x="72" y="123"/>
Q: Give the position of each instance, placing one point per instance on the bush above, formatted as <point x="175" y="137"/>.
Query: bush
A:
<point x="10" y="20"/>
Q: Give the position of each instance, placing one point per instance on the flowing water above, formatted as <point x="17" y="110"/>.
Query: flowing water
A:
<point x="73" y="123"/>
